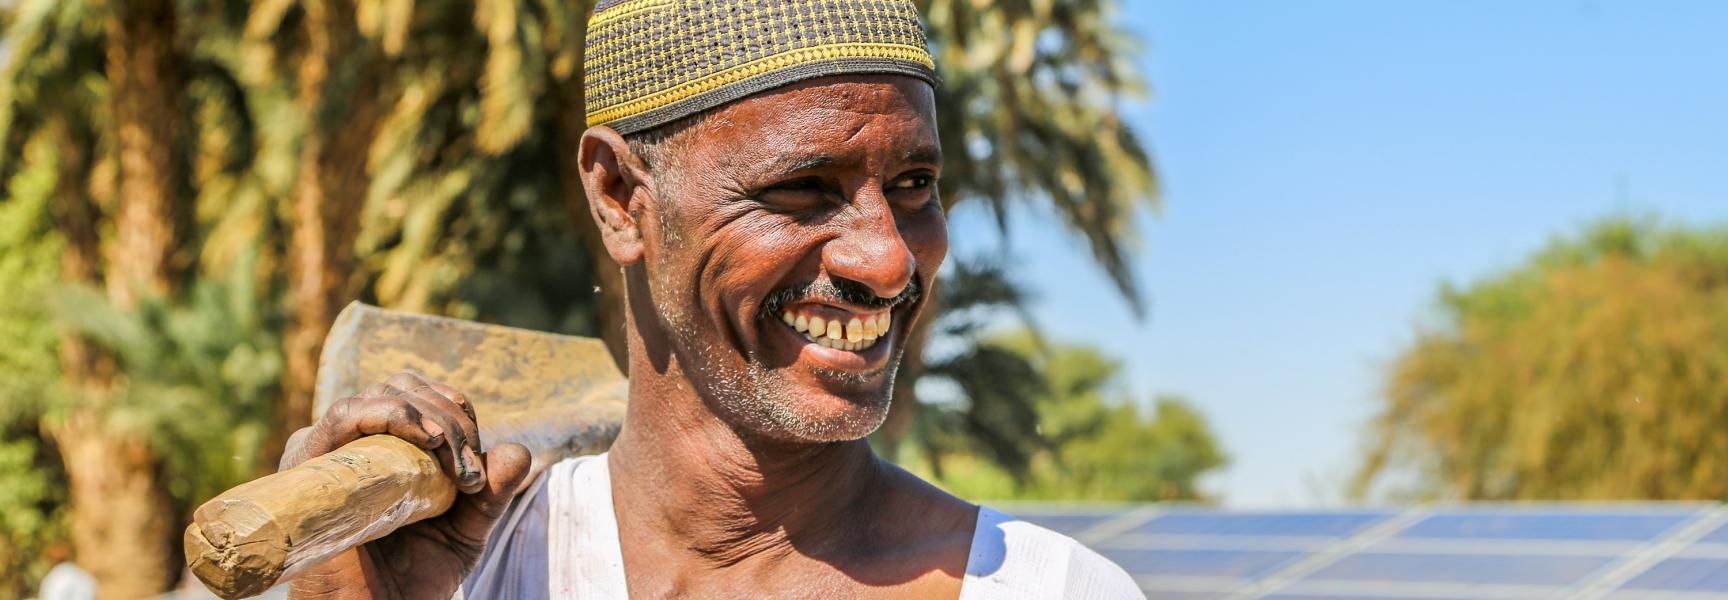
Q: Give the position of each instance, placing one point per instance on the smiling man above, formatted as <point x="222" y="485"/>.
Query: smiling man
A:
<point x="765" y="173"/>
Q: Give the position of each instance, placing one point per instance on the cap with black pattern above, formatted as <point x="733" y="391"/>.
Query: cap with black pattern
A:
<point x="651" y="62"/>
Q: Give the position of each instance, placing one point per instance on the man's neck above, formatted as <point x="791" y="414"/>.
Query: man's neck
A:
<point x="689" y="477"/>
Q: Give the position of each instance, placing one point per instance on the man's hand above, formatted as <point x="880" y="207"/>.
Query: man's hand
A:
<point x="427" y="559"/>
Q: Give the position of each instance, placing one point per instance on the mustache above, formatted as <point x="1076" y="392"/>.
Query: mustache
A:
<point x="842" y="291"/>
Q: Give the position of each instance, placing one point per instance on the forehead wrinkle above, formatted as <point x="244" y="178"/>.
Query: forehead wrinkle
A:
<point x="787" y="161"/>
<point x="788" y="158"/>
<point x="796" y="130"/>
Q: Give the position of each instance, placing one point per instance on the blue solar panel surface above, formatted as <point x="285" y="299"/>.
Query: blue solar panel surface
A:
<point x="1683" y="574"/>
<point x="1666" y="551"/>
<point x="1462" y="568"/>
<point x="1510" y="525"/>
<point x="1716" y="536"/>
<point x="1338" y="524"/>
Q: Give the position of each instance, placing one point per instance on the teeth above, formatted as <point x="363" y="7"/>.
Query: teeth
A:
<point x="839" y="344"/>
<point x="852" y="334"/>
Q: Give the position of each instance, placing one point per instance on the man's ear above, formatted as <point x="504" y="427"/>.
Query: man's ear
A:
<point x="612" y="175"/>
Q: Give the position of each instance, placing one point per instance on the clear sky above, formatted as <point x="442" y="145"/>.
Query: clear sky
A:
<point x="1327" y="164"/>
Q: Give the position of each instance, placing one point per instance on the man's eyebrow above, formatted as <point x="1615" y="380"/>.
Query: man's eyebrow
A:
<point x="922" y="154"/>
<point x="793" y="163"/>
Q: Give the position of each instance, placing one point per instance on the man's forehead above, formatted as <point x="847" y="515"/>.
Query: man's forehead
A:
<point x="829" y="122"/>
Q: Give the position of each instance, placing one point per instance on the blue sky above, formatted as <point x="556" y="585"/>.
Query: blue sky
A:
<point x="1327" y="164"/>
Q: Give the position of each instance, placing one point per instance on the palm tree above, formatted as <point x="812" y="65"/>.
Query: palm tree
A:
<point x="113" y="474"/>
<point x="1028" y="118"/>
<point x="421" y="155"/>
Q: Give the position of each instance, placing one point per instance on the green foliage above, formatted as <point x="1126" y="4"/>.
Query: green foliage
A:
<point x="1004" y="429"/>
<point x="1087" y="441"/>
<point x="1597" y="370"/>
<point x="32" y="488"/>
<point x="201" y="375"/>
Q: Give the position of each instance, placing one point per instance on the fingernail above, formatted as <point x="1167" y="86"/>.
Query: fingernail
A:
<point x="433" y="431"/>
<point x="466" y="466"/>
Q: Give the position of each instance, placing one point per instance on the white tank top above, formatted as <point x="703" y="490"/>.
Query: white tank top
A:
<point x="559" y="541"/>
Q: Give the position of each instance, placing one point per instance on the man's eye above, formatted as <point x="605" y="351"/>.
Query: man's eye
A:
<point x="915" y="182"/>
<point x="798" y="194"/>
<point x="805" y="184"/>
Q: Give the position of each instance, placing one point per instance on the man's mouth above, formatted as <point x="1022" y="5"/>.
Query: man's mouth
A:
<point x="838" y="329"/>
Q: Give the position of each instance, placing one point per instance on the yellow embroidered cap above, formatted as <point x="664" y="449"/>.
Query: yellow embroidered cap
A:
<point x="651" y="62"/>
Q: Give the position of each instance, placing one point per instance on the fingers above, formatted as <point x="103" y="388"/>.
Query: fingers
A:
<point x="457" y="397"/>
<point x="427" y="414"/>
<point x="371" y="413"/>
<point x="473" y="516"/>
<point x="296" y="450"/>
<point x="461" y="454"/>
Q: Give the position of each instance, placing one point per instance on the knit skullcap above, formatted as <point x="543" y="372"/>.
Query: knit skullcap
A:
<point x="651" y="62"/>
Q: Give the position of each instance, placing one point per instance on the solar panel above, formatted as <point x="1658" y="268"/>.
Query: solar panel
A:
<point x="1319" y="524"/>
<point x="1716" y="536"/>
<point x="1462" y="568"/>
<point x="1071" y="524"/>
<point x="1683" y="574"/>
<point x="1524" y="525"/>
<point x="1192" y="596"/>
<point x="1248" y="564"/>
<point x="1448" y="552"/>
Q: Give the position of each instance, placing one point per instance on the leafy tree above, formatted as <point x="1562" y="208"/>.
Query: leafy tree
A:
<point x="1596" y="370"/>
<point x="1084" y="439"/>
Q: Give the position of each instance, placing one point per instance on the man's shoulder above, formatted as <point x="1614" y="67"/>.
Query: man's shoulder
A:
<point x="1010" y="554"/>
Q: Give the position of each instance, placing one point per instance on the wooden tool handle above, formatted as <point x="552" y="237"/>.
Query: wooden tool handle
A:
<point x="251" y="537"/>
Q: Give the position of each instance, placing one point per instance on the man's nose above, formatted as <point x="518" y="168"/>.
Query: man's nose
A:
<point x="872" y="252"/>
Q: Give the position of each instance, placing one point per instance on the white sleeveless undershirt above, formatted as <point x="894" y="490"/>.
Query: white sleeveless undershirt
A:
<point x="559" y="541"/>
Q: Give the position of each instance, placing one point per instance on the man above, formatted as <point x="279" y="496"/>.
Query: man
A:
<point x="765" y="173"/>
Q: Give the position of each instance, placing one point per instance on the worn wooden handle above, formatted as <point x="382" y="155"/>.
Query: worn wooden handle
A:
<point x="268" y="530"/>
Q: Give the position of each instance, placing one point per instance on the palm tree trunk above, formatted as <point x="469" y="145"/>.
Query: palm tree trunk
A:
<point x="343" y="116"/>
<point x="121" y="517"/>
<point x="144" y="73"/>
<point x="75" y="218"/>
<point x="123" y="523"/>
<point x="123" y="520"/>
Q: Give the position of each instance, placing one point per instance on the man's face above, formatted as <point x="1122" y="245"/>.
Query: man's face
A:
<point x="792" y="237"/>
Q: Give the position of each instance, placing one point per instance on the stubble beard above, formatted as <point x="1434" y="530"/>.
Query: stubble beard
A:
<point x="760" y="402"/>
